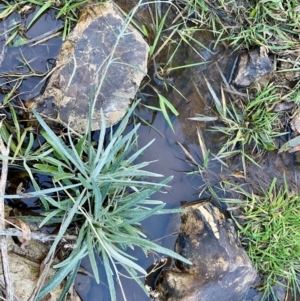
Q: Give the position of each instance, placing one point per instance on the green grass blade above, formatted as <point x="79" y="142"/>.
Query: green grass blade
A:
<point x="75" y="154"/>
<point x="109" y="275"/>
<point x="63" y="176"/>
<point x="164" y="111"/>
<point x="29" y="146"/>
<point x="52" y="214"/>
<point x="98" y="199"/>
<point x="80" y="254"/>
<point x="70" y="282"/>
<point x="59" y="144"/>
<point x="115" y="254"/>
<point x="46" y="6"/>
<point x="80" y="199"/>
<point x="91" y="254"/>
<point x="101" y="139"/>
<point x="124" y="121"/>
<point x="169" y="105"/>
<point x="103" y="160"/>
<point x="74" y="258"/>
<point x="46" y="168"/>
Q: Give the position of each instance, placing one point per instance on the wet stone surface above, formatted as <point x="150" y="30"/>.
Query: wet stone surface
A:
<point x="252" y="66"/>
<point x="91" y="64"/>
<point x="221" y="269"/>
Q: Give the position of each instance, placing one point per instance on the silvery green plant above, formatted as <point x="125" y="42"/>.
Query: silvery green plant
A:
<point x="104" y="193"/>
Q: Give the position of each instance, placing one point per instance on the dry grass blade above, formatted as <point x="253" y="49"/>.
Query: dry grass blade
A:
<point x="223" y="99"/>
<point x="3" y="243"/>
<point x="200" y="117"/>
<point x="202" y="143"/>
<point x="44" y="37"/>
<point x="213" y="94"/>
<point x="188" y="155"/>
<point x="219" y="159"/>
<point x="223" y="77"/>
<point x="44" y="269"/>
<point x="2" y="290"/>
<point x="43" y="237"/>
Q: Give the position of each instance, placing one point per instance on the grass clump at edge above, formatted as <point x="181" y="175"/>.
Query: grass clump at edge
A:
<point x="268" y="226"/>
<point x="66" y="10"/>
<point x="253" y="121"/>
<point x="248" y="123"/>
<point x="273" y="24"/>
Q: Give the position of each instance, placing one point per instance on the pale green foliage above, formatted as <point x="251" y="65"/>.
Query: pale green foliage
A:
<point x="112" y="200"/>
<point x="104" y="192"/>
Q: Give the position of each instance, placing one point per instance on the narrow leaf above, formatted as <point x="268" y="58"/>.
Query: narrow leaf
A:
<point x="39" y="13"/>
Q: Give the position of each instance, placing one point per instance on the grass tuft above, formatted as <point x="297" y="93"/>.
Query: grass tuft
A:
<point x="249" y="123"/>
<point x="99" y="189"/>
<point x="268" y="225"/>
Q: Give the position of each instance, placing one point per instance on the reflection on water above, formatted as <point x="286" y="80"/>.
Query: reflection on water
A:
<point x="167" y="159"/>
<point x="30" y="58"/>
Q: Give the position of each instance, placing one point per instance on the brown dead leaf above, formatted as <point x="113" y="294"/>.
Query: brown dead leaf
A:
<point x="26" y="232"/>
<point x="238" y="174"/>
<point x="26" y="8"/>
<point x="283" y="106"/>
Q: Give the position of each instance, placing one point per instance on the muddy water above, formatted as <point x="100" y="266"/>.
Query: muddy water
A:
<point x="171" y="160"/>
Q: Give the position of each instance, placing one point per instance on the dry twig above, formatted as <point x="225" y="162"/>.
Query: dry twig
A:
<point x="43" y="237"/>
<point x="3" y="243"/>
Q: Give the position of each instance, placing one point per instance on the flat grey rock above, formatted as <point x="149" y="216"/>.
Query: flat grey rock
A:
<point x="102" y="58"/>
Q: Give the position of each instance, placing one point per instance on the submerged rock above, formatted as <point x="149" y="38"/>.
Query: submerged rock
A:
<point x="252" y="66"/>
<point x="102" y="58"/>
<point x="221" y="269"/>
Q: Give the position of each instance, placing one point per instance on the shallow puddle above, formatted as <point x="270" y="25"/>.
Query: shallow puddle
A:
<point x="165" y="152"/>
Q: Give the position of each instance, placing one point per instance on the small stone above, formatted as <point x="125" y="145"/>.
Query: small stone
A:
<point x="252" y="66"/>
